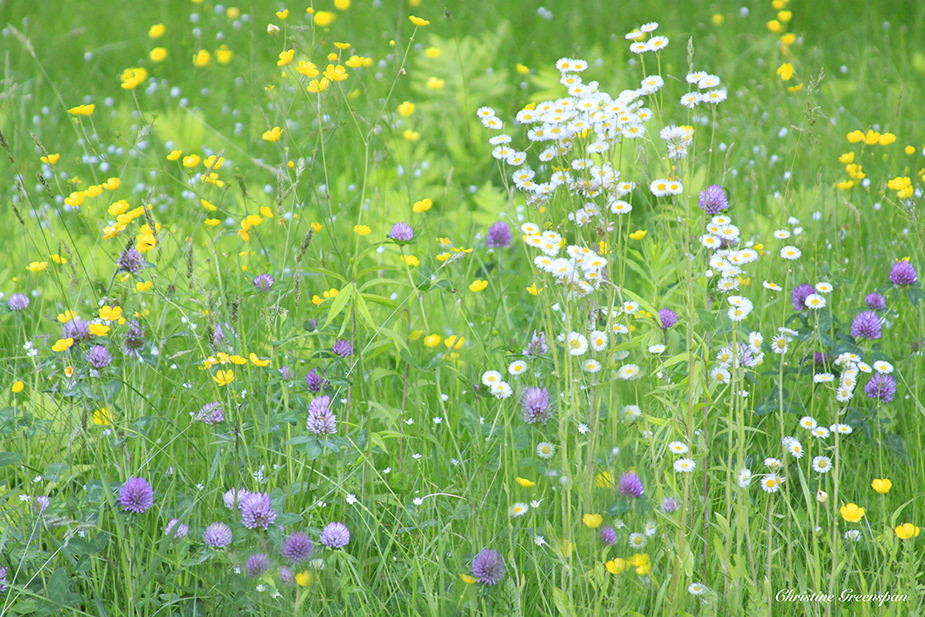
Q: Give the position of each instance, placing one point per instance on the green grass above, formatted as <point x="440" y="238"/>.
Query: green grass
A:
<point x="426" y="465"/>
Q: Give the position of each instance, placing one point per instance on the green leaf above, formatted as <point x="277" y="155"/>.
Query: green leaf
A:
<point x="561" y="601"/>
<point x="340" y="302"/>
<point x="9" y="458"/>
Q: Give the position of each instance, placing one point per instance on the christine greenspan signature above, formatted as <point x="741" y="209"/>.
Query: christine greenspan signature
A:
<point x="846" y="595"/>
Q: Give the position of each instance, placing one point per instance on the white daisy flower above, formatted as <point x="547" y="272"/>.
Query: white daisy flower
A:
<point x="649" y="27"/>
<point x="841" y="429"/>
<point x="490" y="378"/>
<point x="824" y="288"/>
<point x="720" y="374"/>
<point x="773" y="463"/>
<point x="790" y="252"/>
<point x="882" y="367"/>
<point x="823" y="378"/>
<point x="576" y="343"/>
<point x="745" y="477"/>
<point x="518" y="509"/>
<point x="637" y="540"/>
<point x="678" y="447"/>
<point x="518" y="367"/>
<point x="771" y="483"/>
<point x="629" y="372"/>
<point x="598" y="340"/>
<point x="814" y="301"/>
<point x="796" y="449"/>
<point x="808" y="422"/>
<point x="590" y="366"/>
<point x="545" y="450"/>
<point x="502" y="390"/>
<point x="696" y="589"/>
<point x="657" y="349"/>
<point x="630" y="412"/>
<point x="685" y="465"/>
<point x="690" y="100"/>
<point x="822" y="464"/>
<point x="771" y="286"/>
<point x="779" y="344"/>
<point x="781" y="234"/>
<point x="755" y="340"/>
<point x="820" y="432"/>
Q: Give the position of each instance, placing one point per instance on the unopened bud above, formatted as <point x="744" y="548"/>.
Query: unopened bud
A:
<point x="822" y="496"/>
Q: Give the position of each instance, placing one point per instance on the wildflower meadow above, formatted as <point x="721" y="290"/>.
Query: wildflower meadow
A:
<point x="390" y="307"/>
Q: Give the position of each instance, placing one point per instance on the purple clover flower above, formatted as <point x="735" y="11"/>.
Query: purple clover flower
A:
<point x="537" y="345"/>
<point x="315" y="382"/>
<point x="233" y="498"/>
<point x="217" y="535"/>
<point x="866" y="325"/>
<point x="179" y="529"/>
<point x="256" y="564"/>
<point x="18" y="302"/>
<point x="903" y="273"/>
<point x="499" y="235"/>
<point x="134" y="339"/>
<point x="799" y="295"/>
<point x="136" y="495"/>
<point x="534" y="406"/>
<point x="608" y="535"/>
<point x="297" y="547"/>
<point x="320" y="419"/>
<point x="131" y="261"/>
<point x="881" y="387"/>
<point x="875" y="302"/>
<point x="211" y="414"/>
<point x="256" y="511"/>
<point x="667" y="318"/>
<point x="402" y="232"/>
<point x="285" y="575"/>
<point x="713" y="200"/>
<point x="40" y="504"/>
<point x="342" y="348"/>
<point x="4" y="583"/>
<point x="77" y="329"/>
<point x="98" y="357"/>
<point x="335" y="535"/>
<point x="669" y="505"/>
<point x="630" y="485"/>
<point x="488" y="567"/>
<point x="263" y="282"/>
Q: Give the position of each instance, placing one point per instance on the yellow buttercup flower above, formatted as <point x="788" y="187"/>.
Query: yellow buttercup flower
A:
<point x="417" y="21"/>
<point x="143" y="286"/>
<point x="604" y="480"/>
<point x="525" y="483"/>
<point x="422" y="206"/>
<point x="361" y="230"/>
<point x="81" y="110"/>
<point x="852" y="513"/>
<point x="434" y="84"/>
<point x="882" y="486"/>
<point x="18" y="387"/>
<point x="273" y="134"/>
<point x="785" y="71"/>
<point x="616" y="566"/>
<point x="158" y="54"/>
<point x="202" y="58"/>
<point x="533" y="290"/>
<point x="411" y="260"/>
<point x="469" y="580"/>
<point x="638" y="235"/>
<point x="223" y="54"/>
<point x="98" y="329"/>
<point x="223" y="378"/>
<point x="432" y="341"/>
<point x="336" y="73"/>
<point x="454" y="342"/>
<point x="855" y="136"/>
<point x="62" y="345"/>
<point x="102" y="417"/>
<point x="886" y="139"/>
<point x="906" y="531"/>
<point x="324" y="18"/>
<point x="283" y="14"/>
<point x="432" y="52"/>
<point x="257" y="361"/>
<point x="478" y="286"/>
<point x="37" y="266"/>
<point x="592" y="521"/>
<point x="51" y="159"/>
<point x="285" y="57"/>
<point x="111" y="184"/>
<point x="315" y="86"/>
<point x="191" y="161"/>
<point x="156" y="31"/>
<point x="406" y="108"/>
<point x="304" y="579"/>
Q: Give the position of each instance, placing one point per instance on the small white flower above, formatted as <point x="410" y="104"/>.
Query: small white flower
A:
<point x="822" y="464"/>
<point x="490" y="378"/>
<point x="814" y="301"/>
<point x="590" y="366"/>
<point x="678" y="447"/>
<point x="853" y="534"/>
<point x="808" y="422"/>
<point x="438" y="420"/>
<point x="518" y="367"/>
<point x="417" y="501"/>
<point x="823" y="378"/>
<point x="637" y="540"/>
<point x="629" y="372"/>
<point x="882" y="367"/>
<point x="684" y="465"/>
<point x="781" y="234"/>
<point x="583" y="429"/>
<point x="745" y="477"/>
<point x="696" y="589"/>
<point x="790" y="252"/>
<point x="518" y="509"/>
<point x="539" y="540"/>
<point x="546" y="450"/>
<point x="657" y="349"/>
<point x="824" y="288"/>
<point x="351" y="499"/>
<point x="771" y="483"/>
<point x="535" y="503"/>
